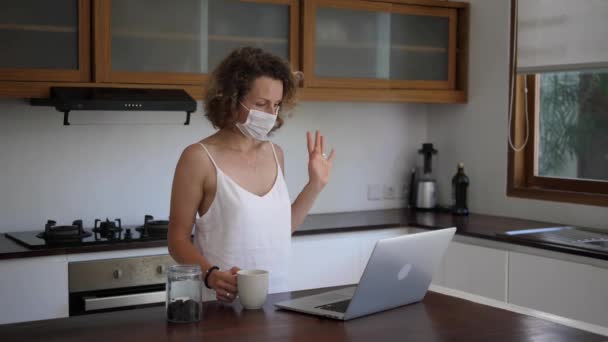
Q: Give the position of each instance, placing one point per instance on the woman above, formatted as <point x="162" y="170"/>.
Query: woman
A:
<point x="234" y="178"/>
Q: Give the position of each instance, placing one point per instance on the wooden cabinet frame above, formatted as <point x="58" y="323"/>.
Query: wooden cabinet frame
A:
<point x="309" y="49"/>
<point x="103" y="50"/>
<point x="449" y="13"/>
<point x="455" y="90"/>
<point x="94" y="21"/>
<point x="82" y="74"/>
<point x="312" y="80"/>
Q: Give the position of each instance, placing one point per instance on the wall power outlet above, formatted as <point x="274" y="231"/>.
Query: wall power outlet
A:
<point x="389" y="192"/>
<point x="374" y="192"/>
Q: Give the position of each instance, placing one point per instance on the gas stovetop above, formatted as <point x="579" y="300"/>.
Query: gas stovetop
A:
<point x="104" y="232"/>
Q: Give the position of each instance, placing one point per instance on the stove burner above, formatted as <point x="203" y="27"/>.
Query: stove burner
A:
<point x="63" y="234"/>
<point x="108" y="229"/>
<point x="153" y="228"/>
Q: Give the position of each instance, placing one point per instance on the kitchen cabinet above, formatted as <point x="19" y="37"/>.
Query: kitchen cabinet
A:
<point x="165" y="42"/>
<point x="33" y="289"/>
<point x="333" y="259"/>
<point x="570" y="289"/>
<point x="564" y="288"/>
<point x="380" y="45"/>
<point x="474" y="269"/>
<point x="367" y="242"/>
<point x="366" y="50"/>
<point x="37" y="288"/>
<point x="141" y="44"/>
<point x="45" y="40"/>
<point x="350" y="50"/>
<point x="322" y="260"/>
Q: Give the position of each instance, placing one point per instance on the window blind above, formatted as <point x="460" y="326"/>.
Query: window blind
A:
<point x="561" y="35"/>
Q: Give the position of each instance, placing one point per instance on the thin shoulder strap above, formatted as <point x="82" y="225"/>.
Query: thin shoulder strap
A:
<point x="209" y="154"/>
<point x="276" y="159"/>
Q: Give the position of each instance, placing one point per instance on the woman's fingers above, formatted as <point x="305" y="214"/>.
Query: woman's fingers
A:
<point x="322" y="144"/>
<point x="226" y="291"/>
<point x="318" y="145"/>
<point x="224" y="299"/>
<point x="309" y="141"/>
<point x="228" y="277"/>
<point x="224" y="296"/>
<point x="226" y="287"/>
<point x="331" y="156"/>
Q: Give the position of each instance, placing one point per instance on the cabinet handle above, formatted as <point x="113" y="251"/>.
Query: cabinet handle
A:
<point x="117" y="274"/>
<point x="125" y="300"/>
<point x="160" y="269"/>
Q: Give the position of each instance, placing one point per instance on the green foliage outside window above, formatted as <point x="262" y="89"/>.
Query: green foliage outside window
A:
<point x="573" y="126"/>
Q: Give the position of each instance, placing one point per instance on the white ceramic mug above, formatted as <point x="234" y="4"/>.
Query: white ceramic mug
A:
<point x="253" y="288"/>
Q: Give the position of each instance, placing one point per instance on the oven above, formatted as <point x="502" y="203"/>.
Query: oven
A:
<point x="117" y="284"/>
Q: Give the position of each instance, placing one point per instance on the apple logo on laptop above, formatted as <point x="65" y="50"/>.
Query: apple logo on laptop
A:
<point x="405" y="270"/>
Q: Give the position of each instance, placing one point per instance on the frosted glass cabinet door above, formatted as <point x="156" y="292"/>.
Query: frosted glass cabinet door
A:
<point x="346" y="41"/>
<point x="378" y="45"/>
<point x="44" y="40"/>
<point x="423" y="47"/>
<point x="352" y="43"/>
<point x="234" y="24"/>
<point x="158" y="35"/>
<point x="179" y="42"/>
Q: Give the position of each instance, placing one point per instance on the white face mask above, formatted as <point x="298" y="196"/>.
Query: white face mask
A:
<point x="258" y="124"/>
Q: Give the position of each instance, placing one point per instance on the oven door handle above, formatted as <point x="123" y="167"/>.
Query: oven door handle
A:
<point x="100" y="303"/>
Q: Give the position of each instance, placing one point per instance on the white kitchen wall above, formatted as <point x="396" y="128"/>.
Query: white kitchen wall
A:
<point x="476" y="133"/>
<point x="120" y="164"/>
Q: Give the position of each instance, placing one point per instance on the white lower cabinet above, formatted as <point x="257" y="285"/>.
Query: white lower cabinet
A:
<point x="321" y="260"/>
<point x="564" y="288"/>
<point x="340" y="259"/>
<point x="37" y="288"/>
<point x="367" y="242"/>
<point x="333" y="259"/>
<point x="474" y="269"/>
<point x="33" y="289"/>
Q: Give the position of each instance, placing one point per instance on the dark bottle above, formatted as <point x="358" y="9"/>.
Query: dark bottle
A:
<point x="460" y="183"/>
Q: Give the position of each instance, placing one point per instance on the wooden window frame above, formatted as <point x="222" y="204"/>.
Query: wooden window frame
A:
<point x="522" y="180"/>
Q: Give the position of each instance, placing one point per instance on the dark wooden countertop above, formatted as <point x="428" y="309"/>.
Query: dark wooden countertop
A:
<point x="474" y="225"/>
<point x="9" y="249"/>
<point x="436" y="318"/>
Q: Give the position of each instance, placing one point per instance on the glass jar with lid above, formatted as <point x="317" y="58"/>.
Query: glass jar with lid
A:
<point x="184" y="294"/>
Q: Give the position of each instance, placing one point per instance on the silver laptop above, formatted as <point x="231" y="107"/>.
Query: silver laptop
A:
<point x="398" y="272"/>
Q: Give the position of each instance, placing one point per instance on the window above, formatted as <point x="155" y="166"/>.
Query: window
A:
<point x="573" y="125"/>
<point x="561" y="101"/>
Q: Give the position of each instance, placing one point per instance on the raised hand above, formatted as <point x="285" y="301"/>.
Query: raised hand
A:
<point x="319" y="164"/>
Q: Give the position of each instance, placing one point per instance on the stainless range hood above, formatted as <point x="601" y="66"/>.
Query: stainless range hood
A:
<point x="66" y="99"/>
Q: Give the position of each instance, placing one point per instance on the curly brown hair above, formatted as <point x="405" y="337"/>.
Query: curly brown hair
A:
<point x="234" y="77"/>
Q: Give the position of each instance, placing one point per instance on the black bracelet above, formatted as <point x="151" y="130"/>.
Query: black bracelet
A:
<point x="207" y="274"/>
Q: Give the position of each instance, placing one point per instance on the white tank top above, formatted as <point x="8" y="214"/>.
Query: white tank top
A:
<point x="245" y="230"/>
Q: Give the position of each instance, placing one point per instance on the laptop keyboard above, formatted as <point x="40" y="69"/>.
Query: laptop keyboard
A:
<point x="336" y="307"/>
